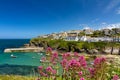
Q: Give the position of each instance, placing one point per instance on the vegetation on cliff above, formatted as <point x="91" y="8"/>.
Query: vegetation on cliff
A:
<point x="76" y="46"/>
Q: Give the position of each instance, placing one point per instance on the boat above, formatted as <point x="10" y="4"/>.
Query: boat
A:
<point x="41" y="60"/>
<point x="40" y="53"/>
<point x="12" y="56"/>
<point x="33" y="57"/>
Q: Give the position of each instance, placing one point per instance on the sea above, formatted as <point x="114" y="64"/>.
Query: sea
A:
<point x="24" y="64"/>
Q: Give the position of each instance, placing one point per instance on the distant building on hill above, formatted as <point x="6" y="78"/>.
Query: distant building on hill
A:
<point x="83" y="38"/>
<point x="85" y="35"/>
<point x="72" y="38"/>
<point x="72" y="35"/>
<point x="106" y="31"/>
<point x="43" y="36"/>
<point x="116" y="39"/>
<point x="88" y="31"/>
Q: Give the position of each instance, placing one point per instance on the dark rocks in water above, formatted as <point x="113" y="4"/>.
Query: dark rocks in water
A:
<point x="119" y="51"/>
<point x="95" y="51"/>
<point x="62" y="49"/>
<point x="90" y="52"/>
<point x="112" y="50"/>
<point x="79" y="50"/>
<point x="17" y="70"/>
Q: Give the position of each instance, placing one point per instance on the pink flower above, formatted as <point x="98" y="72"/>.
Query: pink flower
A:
<point x="54" y="72"/>
<point x="73" y="63"/>
<point x="40" y="68"/>
<point x="98" y="61"/>
<point x="49" y="50"/>
<point x="115" y="77"/>
<point x="55" y="55"/>
<point x="92" y="71"/>
<point x="66" y="55"/>
<point x="82" y="61"/>
<point x="82" y="78"/>
<point x="54" y="58"/>
<point x="64" y="63"/>
<point x="81" y="58"/>
<point x="103" y="59"/>
<point x="76" y="54"/>
<point x="43" y="58"/>
<point x="49" y="69"/>
<point x="54" y="63"/>
<point x="43" y="74"/>
<point x="80" y="73"/>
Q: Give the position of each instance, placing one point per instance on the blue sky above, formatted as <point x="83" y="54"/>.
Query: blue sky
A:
<point x="30" y="18"/>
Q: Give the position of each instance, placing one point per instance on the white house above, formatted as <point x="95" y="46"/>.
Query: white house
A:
<point x="83" y="38"/>
<point x="72" y="38"/>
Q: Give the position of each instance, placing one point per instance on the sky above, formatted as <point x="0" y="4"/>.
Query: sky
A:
<point x="31" y="18"/>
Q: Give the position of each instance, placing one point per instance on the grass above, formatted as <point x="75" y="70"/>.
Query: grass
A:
<point x="16" y="77"/>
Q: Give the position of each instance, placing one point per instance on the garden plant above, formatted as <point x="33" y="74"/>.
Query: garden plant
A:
<point x="76" y="67"/>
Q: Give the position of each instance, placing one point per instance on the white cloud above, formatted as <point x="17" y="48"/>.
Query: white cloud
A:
<point x="110" y="26"/>
<point x="112" y="4"/>
<point x="103" y="23"/>
<point x="84" y="26"/>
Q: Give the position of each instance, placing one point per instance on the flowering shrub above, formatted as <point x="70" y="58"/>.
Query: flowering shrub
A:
<point x="115" y="77"/>
<point x="49" y="50"/>
<point x="75" y="67"/>
<point x="50" y="71"/>
<point x="99" y="70"/>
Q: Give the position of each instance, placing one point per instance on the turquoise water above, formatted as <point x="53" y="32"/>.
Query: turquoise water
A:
<point x="24" y="64"/>
<point x="31" y="59"/>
